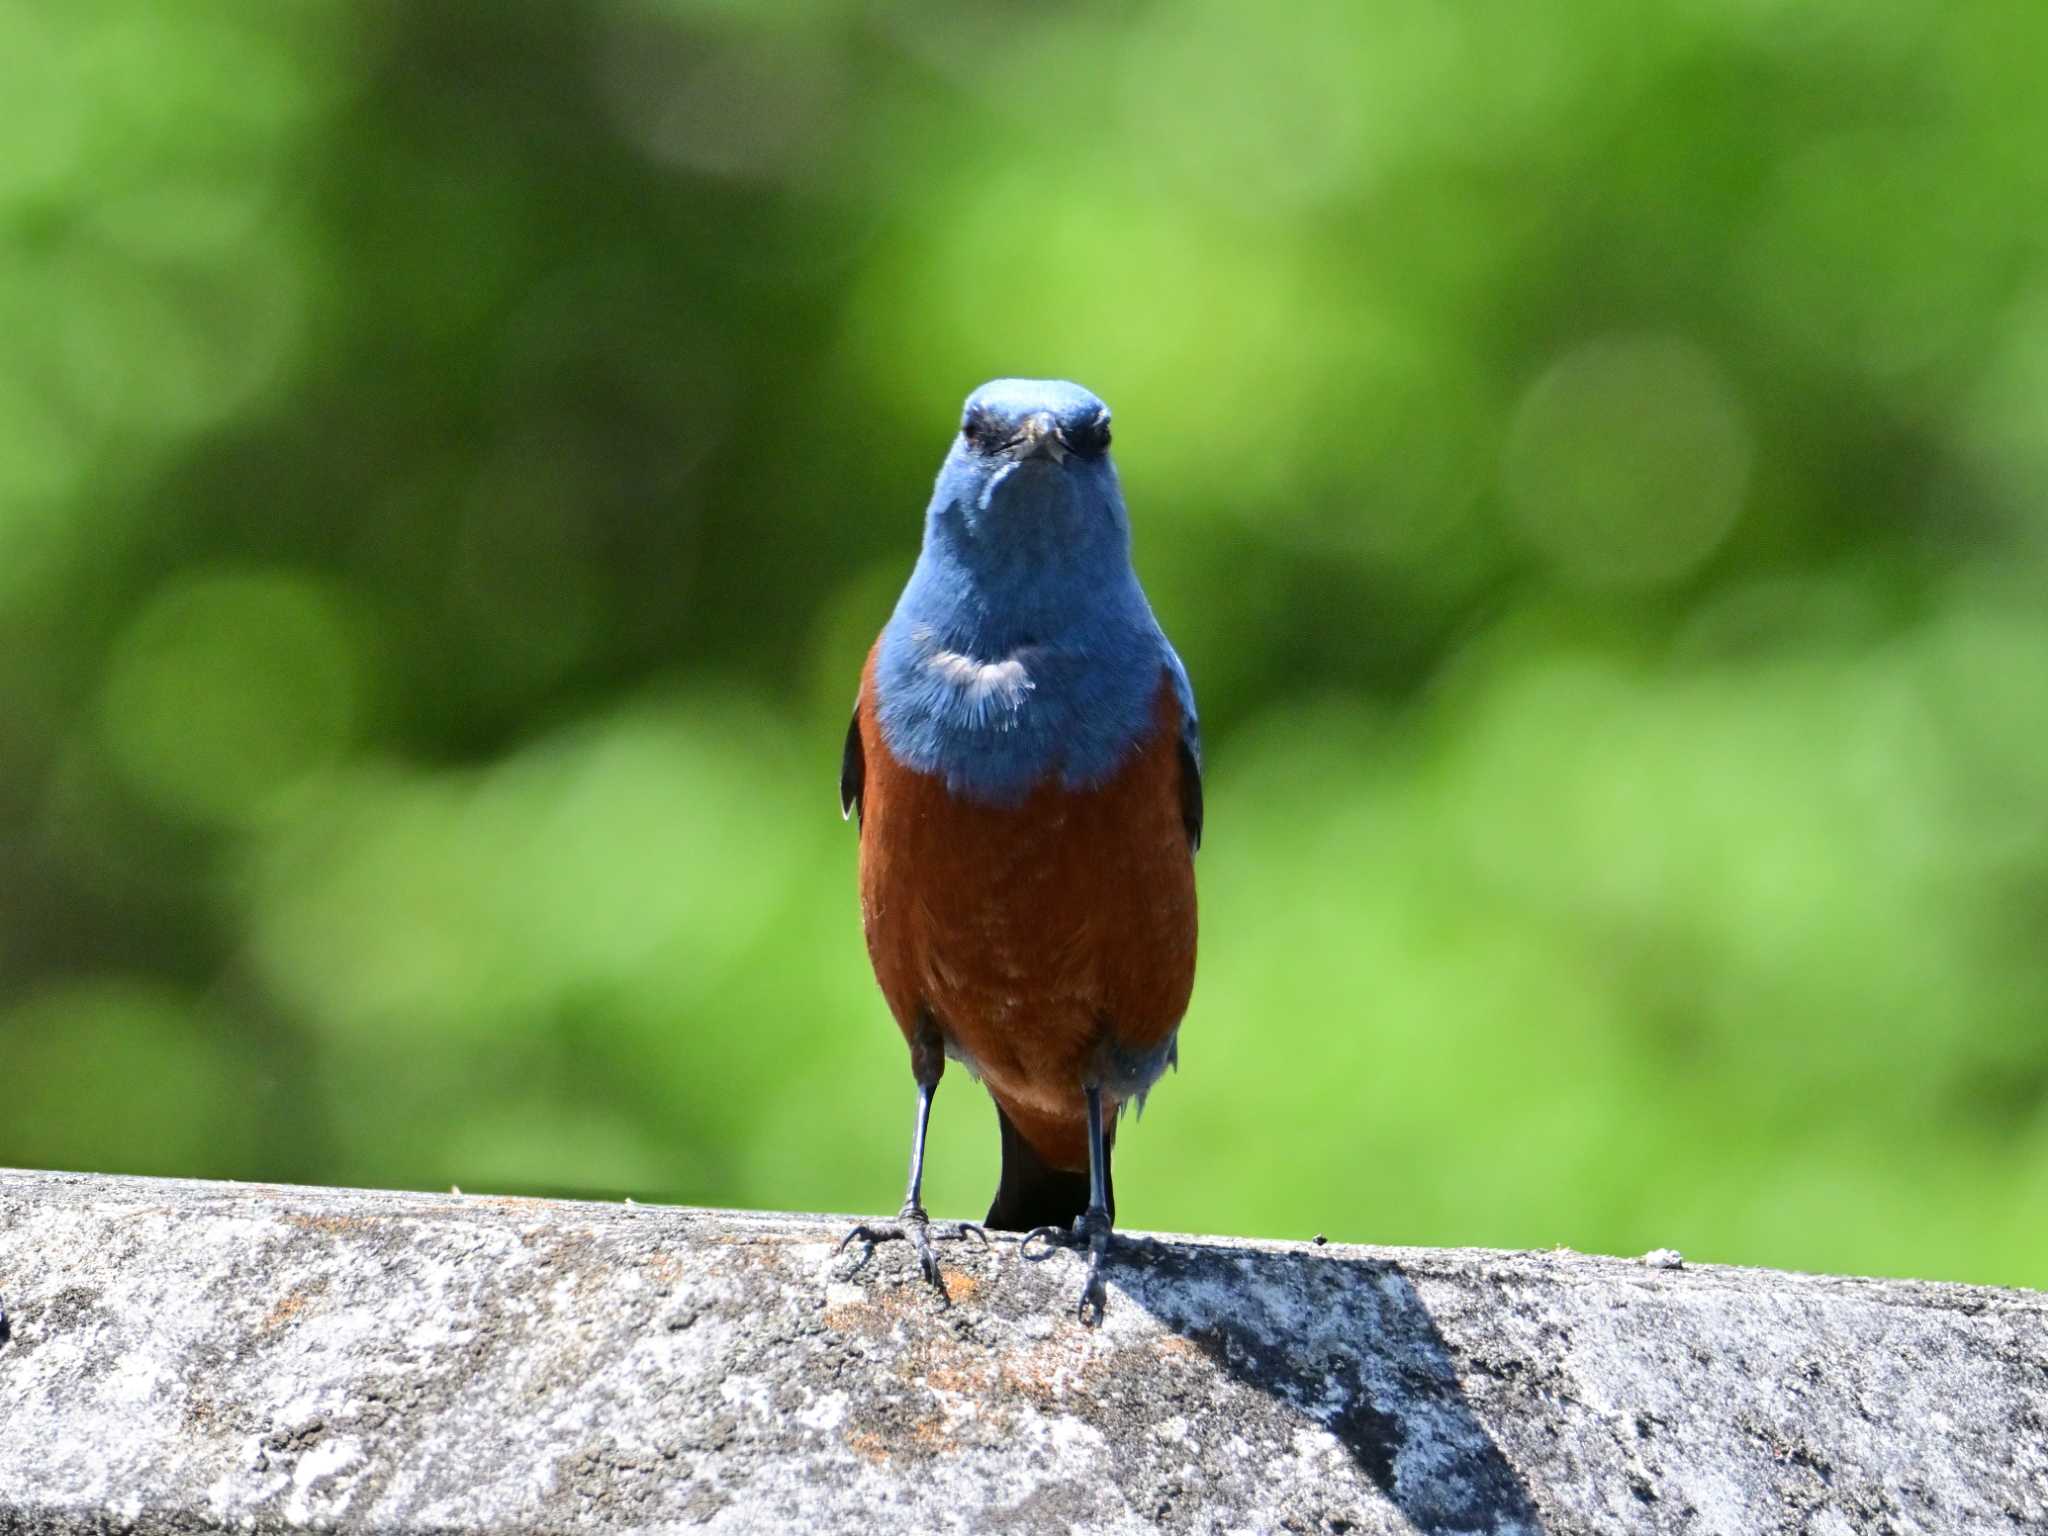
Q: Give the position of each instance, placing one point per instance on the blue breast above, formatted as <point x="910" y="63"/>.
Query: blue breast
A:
<point x="1022" y="650"/>
<point x="995" y="713"/>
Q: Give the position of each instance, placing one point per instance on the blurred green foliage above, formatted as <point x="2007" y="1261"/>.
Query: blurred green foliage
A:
<point x="453" y="458"/>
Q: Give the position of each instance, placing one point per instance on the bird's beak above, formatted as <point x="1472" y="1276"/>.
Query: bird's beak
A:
<point x="1040" y="439"/>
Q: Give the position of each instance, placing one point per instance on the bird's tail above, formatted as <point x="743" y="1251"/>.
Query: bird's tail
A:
<point x="1033" y="1193"/>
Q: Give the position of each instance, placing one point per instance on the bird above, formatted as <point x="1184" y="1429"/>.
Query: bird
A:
<point x="1025" y="763"/>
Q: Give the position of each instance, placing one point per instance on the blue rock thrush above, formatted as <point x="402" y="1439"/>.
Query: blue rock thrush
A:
<point x="1026" y="765"/>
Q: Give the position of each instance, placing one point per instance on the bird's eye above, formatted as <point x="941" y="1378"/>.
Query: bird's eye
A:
<point x="979" y="431"/>
<point x="1093" y="438"/>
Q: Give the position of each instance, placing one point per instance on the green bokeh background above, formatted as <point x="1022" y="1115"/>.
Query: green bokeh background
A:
<point x="453" y="458"/>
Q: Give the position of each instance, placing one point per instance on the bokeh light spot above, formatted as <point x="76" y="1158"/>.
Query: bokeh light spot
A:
<point x="162" y="348"/>
<point x="1877" y="254"/>
<point x="1628" y="460"/>
<point x="1266" y="108"/>
<point x="642" y="850"/>
<point x="228" y="687"/>
<point x="735" y="108"/>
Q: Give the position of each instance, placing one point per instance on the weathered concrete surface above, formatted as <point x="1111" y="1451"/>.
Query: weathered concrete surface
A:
<point x="183" y="1356"/>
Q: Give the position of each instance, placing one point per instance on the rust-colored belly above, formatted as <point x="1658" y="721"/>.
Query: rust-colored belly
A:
<point x="1029" y="933"/>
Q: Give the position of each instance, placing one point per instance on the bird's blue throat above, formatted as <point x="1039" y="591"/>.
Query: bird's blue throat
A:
<point x="1023" y="651"/>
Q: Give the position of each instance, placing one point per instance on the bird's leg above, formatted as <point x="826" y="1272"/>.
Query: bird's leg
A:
<point x="912" y="1225"/>
<point x="1093" y="1225"/>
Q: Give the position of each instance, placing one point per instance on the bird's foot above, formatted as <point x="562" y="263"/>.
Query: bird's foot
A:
<point x="1091" y="1229"/>
<point x="914" y="1227"/>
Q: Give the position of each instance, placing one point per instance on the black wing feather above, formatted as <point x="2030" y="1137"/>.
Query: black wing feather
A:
<point x="853" y="770"/>
<point x="1191" y="792"/>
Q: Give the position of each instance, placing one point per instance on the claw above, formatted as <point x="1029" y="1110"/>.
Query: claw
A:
<point x="866" y="1235"/>
<point x="912" y="1226"/>
<point x="1052" y="1237"/>
<point x="1093" y="1293"/>
<point x="1091" y="1228"/>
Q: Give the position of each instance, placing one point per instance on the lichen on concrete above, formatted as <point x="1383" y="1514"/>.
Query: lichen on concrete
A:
<point x="186" y="1356"/>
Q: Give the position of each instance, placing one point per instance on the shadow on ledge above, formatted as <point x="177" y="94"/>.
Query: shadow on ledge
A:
<point x="1348" y="1344"/>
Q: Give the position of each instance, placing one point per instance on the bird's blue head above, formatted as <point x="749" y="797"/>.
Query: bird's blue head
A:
<point x="1028" y="489"/>
<point x="1023" y="646"/>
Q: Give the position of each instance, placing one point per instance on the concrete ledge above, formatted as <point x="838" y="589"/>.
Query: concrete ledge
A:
<point x="185" y="1356"/>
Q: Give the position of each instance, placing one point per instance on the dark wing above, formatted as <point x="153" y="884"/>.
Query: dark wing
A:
<point x="853" y="769"/>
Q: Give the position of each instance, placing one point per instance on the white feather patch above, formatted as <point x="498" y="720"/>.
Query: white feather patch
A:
<point x="982" y="683"/>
